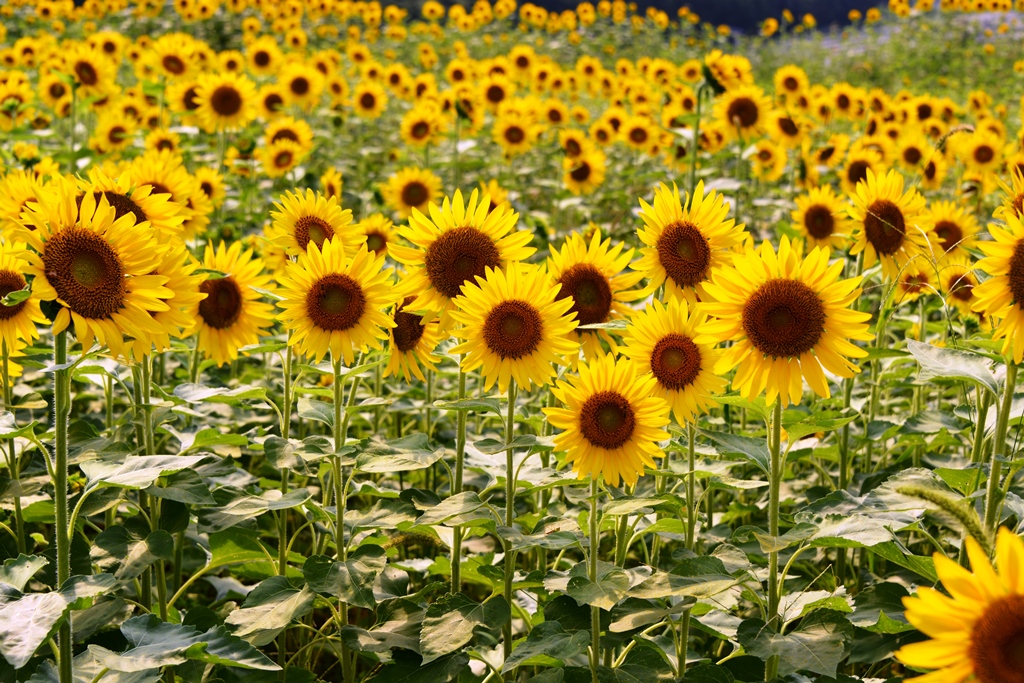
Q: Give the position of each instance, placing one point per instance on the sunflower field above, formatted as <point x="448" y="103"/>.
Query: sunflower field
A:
<point x="366" y="343"/>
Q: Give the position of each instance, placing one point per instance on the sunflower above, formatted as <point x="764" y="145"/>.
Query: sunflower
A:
<point x="264" y="55"/>
<point x="660" y="341"/>
<point x="955" y="229"/>
<point x="311" y="218"/>
<point x="178" y="266"/>
<point x="890" y="225"/>
<point x="638" y="132"/>
<point x="226" y="102"/>
<point x="913" y="151"/>
<point x="211" y="183"/>
<point x="143" y="201"/>
<point x="369" y="100"/>
<point x="743" y="111"/>
<point x="822" y="218"/>
<point x="421" y="125"/>
<point x="684" y="244"/>
<point x="791" y="81"/>
<point x="280" y="158"/>
<point x="592" y="277"/>
<point x="271" y="99"/>
<point x="92" y="70"/>
<point x="17" y="189"/>
<point x="331" y="183"/>
<point x="164" y="173"/>
<point x="96" y="265"/>
<point x="958" y="281"/>
<point x="377" y="232"/>
<point x="982" y="152"/>
<point x="455" y="244"/>
<point x="231" y="315"/>
<point x="612" y="421"/>
<point x="181" y="97"/>
<point x="515" y="134"/>
<point x="585" y="172"/>
<point x="514" y="326"/>
<point x="769" y="160"/>
<point x="934" y="172"/>
<point x="976" y="629"/>
<point x="786" y="129"/>
<point x="1002" y="295"/>
<point x="302" y="83"/>
<point x="1013" y="201"/>
<point x="17" y="322"/>
<point x="411" y="188"/>
<point x="335" y="304"/>
<point x="859" y="163"/>
<point x="162" y="140"/>
<point x="496" y="192"/>
<point x="787" y="317"/>
<point x="412" y="342"/>
<point x="916" y="279"/>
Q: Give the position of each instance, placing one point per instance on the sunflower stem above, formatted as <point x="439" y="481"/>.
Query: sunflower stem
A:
<point x="62" y="410"/>
<point x="993" y="499"/>
<point x="510" y="513"/>
<point x="460" y="457"/>
<point x="774" y="493"/>
<point x="691" y="488"/>
<point x="595" y="611"/>
<point x="978" y="447"/>
<point x="695" y="144"/>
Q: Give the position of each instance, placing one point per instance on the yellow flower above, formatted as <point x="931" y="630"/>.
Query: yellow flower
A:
<point x="787" y="317"/>
<point x="412" y="342"/>
<point x="411" y="188"/>
<point x="335" y="304"/>
<point x="585" y="172"/>
<point x="301" y="220"/>
<point x="891" y="225"/>
<point x="612" y="421"/>
<point x="1002" y="295"/>
<point x="822" y="218"/>
<point x="975" y="630"/>
<point x="17" y="322"/>
<point x="226" y="102"/>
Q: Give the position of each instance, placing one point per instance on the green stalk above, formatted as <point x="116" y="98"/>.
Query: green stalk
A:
<point x="460" y="457"/>
<point x="595" y="611"/>
<point x="691" y="488"/>
<point x="13" y="462"/>
<point x="696" y="140"/>
<point x="978" y="447"/>
<point x="510" y="513"/>
<point x="774" y="492"/>
<point x="282" y="520"/>
<point x="62" y="410"/>
<point x="993" y="501"/>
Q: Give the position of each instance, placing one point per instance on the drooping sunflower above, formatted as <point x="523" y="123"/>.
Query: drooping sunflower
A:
<point x="787" y="317"/>
<point x="890" y="225"/>
<point x="822" y="218"/>
<point x="412" y="342"/>
<point x="97" y="266"/>
<point x="685" y="243"/>
<point x="335" y="304"/>
<point x="514" y="327"/>
<point x="660" y="341"/>
<point x="411" y="188"/>
<point x="592" y="276"/>
<point x="226" y="102"/>
<point x="232" y="315"/>
<point x="455" y="244"/>
<point x="311" y="218"/>
<point x="955" y="229"/>
<point x="17" y="322"/>
<point x="1002" y="295"/>
<point x="377" y="232"/>
<point x="585" y="172"/>
<point x="612" y="421"/>
<point x="976" y="629"/>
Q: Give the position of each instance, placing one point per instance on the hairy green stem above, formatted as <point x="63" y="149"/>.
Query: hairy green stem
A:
<point x="993" y="499"/>
<point x="774" y="492"/>
<point x="460" y="457"/>
<point x="510" y="513"/>
<point x="62" y="411"/>
<point x="595" y="611"/>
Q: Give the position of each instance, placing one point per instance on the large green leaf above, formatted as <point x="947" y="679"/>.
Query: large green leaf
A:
<point x="450" y="622"/>
<point x="235" y="506"/>
<point x="754" y="451"/>
<point x="939" y="363"/>
<point x="269" y="609"/>
<point x="127" y="555"/>
<point x="350" y="581"/>
<point x="610" y="587"/>
<point x="137" y="471"/>
<point x="400" y="455"/>
<point x="547" y="640"/>
<point x="154" y="644"/>
<point x="18" y="570"/>
<point x="818" y="645"/>
<point x="87" y="670"/>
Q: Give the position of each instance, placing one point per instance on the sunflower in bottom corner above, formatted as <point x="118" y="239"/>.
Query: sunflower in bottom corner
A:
<point x="977" y="631"/>
<point x="612" y="422"/>
<point x="335" y="304"/>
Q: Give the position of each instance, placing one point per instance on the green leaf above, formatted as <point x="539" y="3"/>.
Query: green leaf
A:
<point x="88" y="670"/>
<point x="632" y="613"/>
<point x="754" y="451"/>
<point x="26" y="622"/>
<point x="547" y="639"/>
<point x="815" y="424"/>
<point x="450" y="621"/>
<point x="154" y="644"/>
<point x="204" y="438"/>
<point x="818" y="645"/>
<point x="137" y="471"/>
<point x="17" y="571"/>
<point x="269" y="609"/>
<point x="128" y="555"/>
<point x="311" y="409"/>
<point x="185" y="486"/>
<point x="17" y="296"/>
<point x="879" y="608"/>
<point x="200" y="393"/>
<point x="610" y="587"/>
<point x="235" y="546"/>
<point x="350" y="581"/>
<point x="922" y="566"/>
<point x="235" y="506"/>
<point x="408" y="668"/>
<point x="479" y="405"/>
<point x="462" y="508"/>
<point x="952" y="365"/>
<point x="521" y="442"/>
<point x="400" y="455"/>
<point x="758" y="407"/>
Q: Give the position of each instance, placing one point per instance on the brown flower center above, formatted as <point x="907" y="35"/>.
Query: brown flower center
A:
<point x="675" y="361"/>
<point x="495" y="94"/>
<point x="284" y="134"/>
<point x="335" y="302"/>
<point x="857" y="171"/>
<point x="607" y="420"/>
<point x="997" y="642"/>
<point x="961" y="287"/>
<point x="273" y="102"/>
<point x="420" y="130"/>
<point x="983" y="154"/>
<point x="299" y="85"/>
<point x="376" y="242"/>
<point x="784" y="318"/>
<point x="884" y="227"/>
<point x="174" y="64"/>
<point x="367" y="101"/>
<point x="458" y="256"/>
<point x="515" y="134"/>
<point x="57" y="90"/>
<point x="788" y="127"/>
<point x="513" y="329"/>
<point x="408" y="327"/>
<point x="11" y="281"/>
<point x="86" y="272"/>
<point x="819" y="222"/>
<point x="684" y="253"/>
<point x="262" y="59"/>
<point x="223" y="303"/>
<point x="590" y="291"/>
<point x="226" y="100"/>
<point x="312" y="229"/>
<point x="742" y="112"/>
<point x="791" y="84"/>
<point x="86" y="73"/>
<point x="1015" y="275"/>
<point x="912" y="155"/>
<point x="949" y="234"/>
<point x="283" y="159"/>
<point x="581" y="173"/>
<point x="415" y="194"/>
